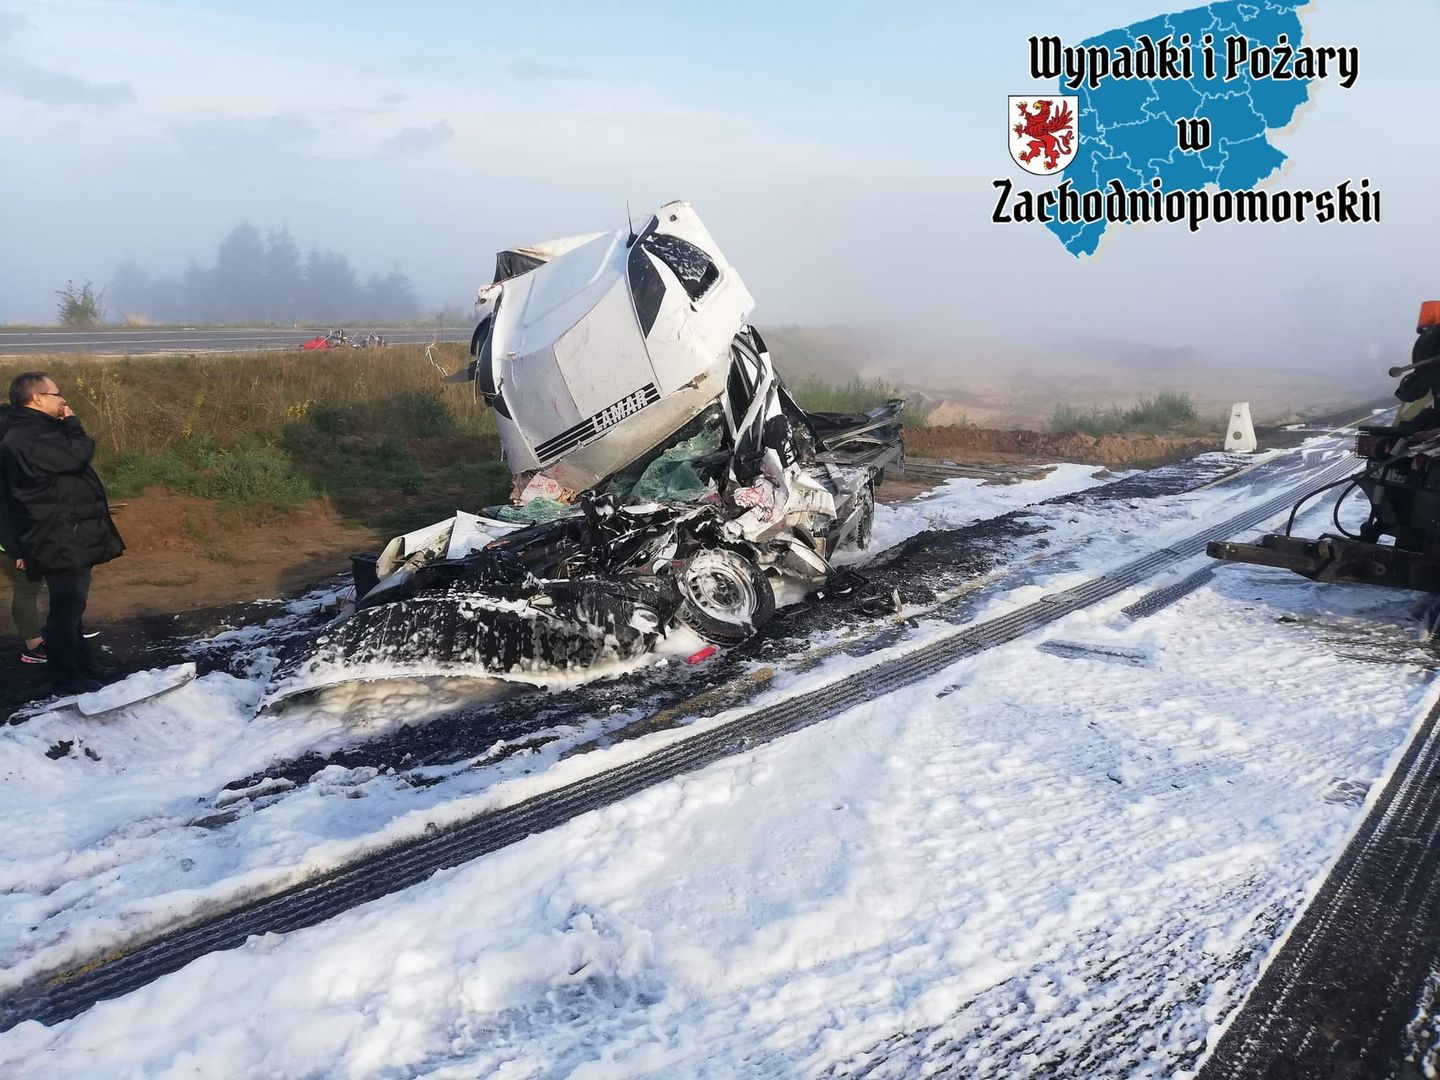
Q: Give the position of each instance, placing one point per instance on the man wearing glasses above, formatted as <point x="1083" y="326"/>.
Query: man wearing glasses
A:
<point x="56" y="515"/>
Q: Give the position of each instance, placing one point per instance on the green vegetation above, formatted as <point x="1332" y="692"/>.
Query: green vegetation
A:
<point x="80" y="307"/>
<point x="373" y="430"/>
<point x="821" y="365"/>
<point x="1164" y="414"/>
<point x="131" y="472"/>
<point x="244" y="400"/>
<point x="264" y="477"/>
<point x="856" y="395"/>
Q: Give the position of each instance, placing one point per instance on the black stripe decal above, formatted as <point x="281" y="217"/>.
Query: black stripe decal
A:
<point x="593" y="427"/>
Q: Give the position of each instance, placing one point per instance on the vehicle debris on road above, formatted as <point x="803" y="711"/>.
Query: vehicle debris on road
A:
<point x="339" y="339"/>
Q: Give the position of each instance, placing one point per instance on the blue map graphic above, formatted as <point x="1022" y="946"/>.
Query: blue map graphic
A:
<point x="1127" y="126"/>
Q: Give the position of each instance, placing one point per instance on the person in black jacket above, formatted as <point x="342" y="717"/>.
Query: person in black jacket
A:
<point x="58" y="513"/>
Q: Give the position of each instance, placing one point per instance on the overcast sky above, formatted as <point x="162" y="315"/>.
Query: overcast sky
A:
<point x="841" y="153"/>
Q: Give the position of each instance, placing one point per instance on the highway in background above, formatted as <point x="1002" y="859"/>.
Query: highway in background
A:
<point x="200" y="339"/>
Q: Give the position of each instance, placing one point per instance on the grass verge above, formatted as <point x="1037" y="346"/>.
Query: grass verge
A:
<point x="815" y="394"/>
<point x="1164" y="414"/>
<point x="267" y="432"/>
<point x="374" y="430"/>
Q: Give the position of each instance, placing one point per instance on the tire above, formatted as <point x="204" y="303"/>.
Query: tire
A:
<point x="866" y="525"/>
<point x="858" y="537"/>
<point x="724" y="596"/>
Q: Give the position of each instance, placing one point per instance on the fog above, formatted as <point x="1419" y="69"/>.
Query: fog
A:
<point x="842" y="154"/>
<point x="261" y="278"/>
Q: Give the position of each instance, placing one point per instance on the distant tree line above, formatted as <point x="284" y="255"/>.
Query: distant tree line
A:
<point x="262" y="279"/>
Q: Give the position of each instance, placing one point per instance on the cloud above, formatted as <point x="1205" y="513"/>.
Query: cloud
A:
<point x="45" y="85"/>
<point x="12" y="23"/>
<point x="56" y="88"/>
<point x="527" y="69"/>
<point x="385" y="103"/>
<point x="233" y="136"/>
<point x="409" y="140"/>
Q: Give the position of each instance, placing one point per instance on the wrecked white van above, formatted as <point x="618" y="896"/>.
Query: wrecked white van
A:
<point x="663" y="474"/>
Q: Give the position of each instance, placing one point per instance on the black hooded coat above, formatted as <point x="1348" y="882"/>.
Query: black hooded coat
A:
<point x="53" y="510"/>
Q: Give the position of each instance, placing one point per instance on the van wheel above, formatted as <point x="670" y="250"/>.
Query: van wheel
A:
<point x="725" y="597"/>
<point x="865" y="526"/>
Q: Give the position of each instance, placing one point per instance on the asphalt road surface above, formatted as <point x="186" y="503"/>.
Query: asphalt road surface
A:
<point x="199" y="339"/>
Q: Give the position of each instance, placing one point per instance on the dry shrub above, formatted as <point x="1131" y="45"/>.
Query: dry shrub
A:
<point x="140" y="405"/>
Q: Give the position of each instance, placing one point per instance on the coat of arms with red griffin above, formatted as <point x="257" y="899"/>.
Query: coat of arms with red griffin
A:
<point x="1043" y="137"/>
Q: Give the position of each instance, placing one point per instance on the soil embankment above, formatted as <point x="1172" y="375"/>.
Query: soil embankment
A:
<point x="184" y="553"/>
<point x="990" y="444"/>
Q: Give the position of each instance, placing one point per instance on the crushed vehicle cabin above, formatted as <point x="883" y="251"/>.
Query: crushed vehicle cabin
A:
<point x="663" y="474"/>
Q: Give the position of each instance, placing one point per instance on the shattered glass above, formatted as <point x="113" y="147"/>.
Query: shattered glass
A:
<point x="535" y="512"/>
<point x="672" y="477"/>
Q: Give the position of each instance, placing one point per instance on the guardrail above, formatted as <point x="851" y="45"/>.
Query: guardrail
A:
<point x="199" y="339"/>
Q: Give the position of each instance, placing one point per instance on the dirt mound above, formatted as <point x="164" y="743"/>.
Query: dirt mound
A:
<point x="184" y="552"/>
<point x="983" y="444"/>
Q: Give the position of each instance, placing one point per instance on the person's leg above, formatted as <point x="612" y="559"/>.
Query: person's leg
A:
<point x="87" y="659"/>
<point x="25" y="606"/>
<point x="24" y="602"/>
<point x="65" y="647"/>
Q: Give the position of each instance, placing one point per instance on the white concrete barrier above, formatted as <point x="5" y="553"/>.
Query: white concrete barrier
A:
<point x="1240" y="435"/>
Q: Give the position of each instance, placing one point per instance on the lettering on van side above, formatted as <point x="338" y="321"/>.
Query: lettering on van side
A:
<point x="593" y="427"/>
